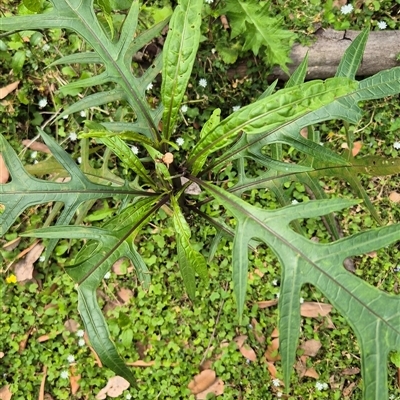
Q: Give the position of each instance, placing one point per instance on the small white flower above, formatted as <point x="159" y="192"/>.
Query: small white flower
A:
<point x="45" y="47"/>
<point x="71" y="359"/>
<point x="184" y="108"/>
<point x="42" y="102"/>
<point x="64" y="375"/>
<point x="73" y="136"/>
<point x="42" y="258"/>
<point x="107" y="275"/>
<point x="277" y="295"/>
<point x="203" y="82"/>
<point x="295" y="201"/>
<point x="250" y="326"/>
<point x="235" y="108"/>
<point x="180" y="141"/>
<point x="149" y="86"/>
<point x="213" y="51"/>
<point x="65" y="116"/>
<point x="79" y="159"/>
<point x="301" y="300"/>
<point x="80" y="333"/>
<point x="276" y="382"/>
<point x="347" y="9"/>
<point x="209" y="1"/>
<point x="396" y="145"/>
<point x="275" y="282"/>
<point x="34" y="154"/>
<point x="83" y="113"/>
<point x="81" y="342"/>
<point x="135" y="150"/>
<point x="279" y="394"/>
<point x="128" y="396"/>
<point x="321" y="386"/>
<point x="382" y="25"/>
<point x="248" y="361"/>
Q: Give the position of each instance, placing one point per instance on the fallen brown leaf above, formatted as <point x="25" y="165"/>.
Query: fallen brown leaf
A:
<point x="311" y="373"/>
<point x="224" y="22"/>
<point x="271" y="353"/>
<point x="267" y="303"/>
<point x="272" y="369"/>
<point x="114" y="388"/>
<point x="24" y="341"/>
<point x="239" y="340"/>
<point x="36" y="146"/>
<point x="356" y="147"/>
<point x="27" y="250"/>
<point x="300" y="366"/>
<point x="141" y="363"/>
<point x="23" y="269"/>
<point x="202" y="381"/>
<point x="117" y="267"/>
<point x="43" y="338"/>
<point x="11" y="245"/>
<point x="74" y="379"/>
<point x="110" y="305"/>
<point x="207" y="364"/>
<point x="193" y="188"/>
<point x="4" y="91"/>
<point x="217" y="388"/>
<point x="351" y="371"/>
<point x="98" y="361"/>
<point x="347" y="391"/>
<point x="275" y="333"/>
<point x="395" y="197"/>
<point x="71" y="325"/>
<point x="248" y="352"/>
<point x="125" y="295"/>
<point x="5" y="393"/>
<point x="4" y="173"/>
<point x="42" y="383"/>
<point x="311" y="347"/>
<point x="314" y="309"/>
<point x="330" y="324"/>
<point x="304" y="132"/>
<point x="339" y="3"/>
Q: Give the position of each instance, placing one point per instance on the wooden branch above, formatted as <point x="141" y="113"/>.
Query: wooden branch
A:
<point x="325" y="54"/>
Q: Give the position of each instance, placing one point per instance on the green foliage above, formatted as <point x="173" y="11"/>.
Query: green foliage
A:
<point x="154" y="187"/>
<point x="252" y="20"/>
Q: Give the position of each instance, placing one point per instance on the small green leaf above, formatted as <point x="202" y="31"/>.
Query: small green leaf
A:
<point x="33" y="5"/>
<point x="395" y="358"/>
<point x="212" y="122"/>
<point x="18" y="61"/>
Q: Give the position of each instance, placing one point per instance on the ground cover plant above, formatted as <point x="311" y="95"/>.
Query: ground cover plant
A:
<point x="252" y="135"/>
